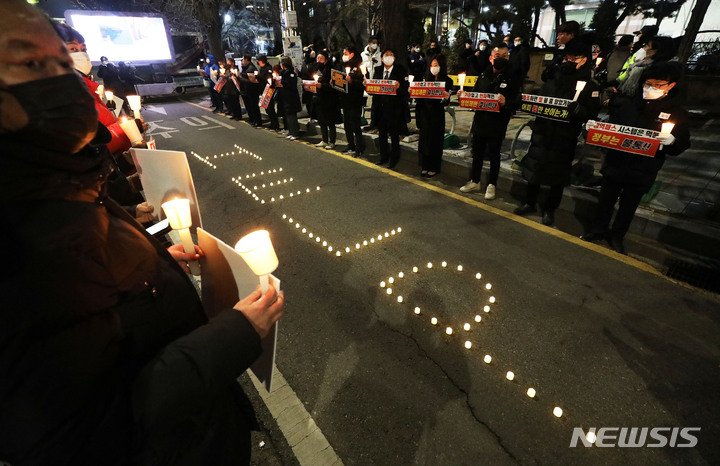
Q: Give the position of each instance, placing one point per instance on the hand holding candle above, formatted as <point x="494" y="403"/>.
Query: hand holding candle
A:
<point x="347" y="71"/>
<point x="178" y="214"/>
<point x="665" y="136"/>
<point x="363" y="68"/>
<point x="135" y="104"/>
<point x="578" y="89"/>
<point x="257" y="251"/>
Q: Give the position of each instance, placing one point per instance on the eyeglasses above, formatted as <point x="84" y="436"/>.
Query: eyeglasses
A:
<point x="657" y="83"/>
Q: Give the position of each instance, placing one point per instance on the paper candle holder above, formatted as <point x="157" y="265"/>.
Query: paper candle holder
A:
<point x="109" y="96"/>
<point x="131" y="130"/>
<point x="461" y="80"/>
<point x="257" y="251"/>
<point x="178" y="214"/>
<point x="134" y="102"/>
<point x="667" y="128"/>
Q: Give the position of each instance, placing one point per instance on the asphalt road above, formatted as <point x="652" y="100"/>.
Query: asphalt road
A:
<point x="599" y="335"/>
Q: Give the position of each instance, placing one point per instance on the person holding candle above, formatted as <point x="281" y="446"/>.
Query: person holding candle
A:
<point x="107" y="355"/>
<point x="230" y="92"/>
<point x="251" y="90"/>
<point x="265" y="76"/>
<point x="327" y="104"/>
<point x="290" y="97"/>
<point x="430" y="117"/>
<point x="489" y="128"/>
<point x="352" y="102"/>
<point x="628" y="176"/>
<point x="390" y="113"/>
<point x="552" y="144"/>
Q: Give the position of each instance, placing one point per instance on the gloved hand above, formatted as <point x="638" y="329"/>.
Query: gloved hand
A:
<point x="667" y="140"/>
<point x="590" y="124"/>
<point x="143" y="212"/>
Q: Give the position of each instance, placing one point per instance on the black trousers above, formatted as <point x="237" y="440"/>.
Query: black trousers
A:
<point x="485" y="148"/>
<point x="215" y="98"/>
<point x="291" y="124"/>
<point x="430" y="144"/>
<point x="630" y="196"/>
<point x="552" y="201"/>
<point x="353" y="131"/>
<point x="252" y="101"/>
<point x="272" y="115"/>
<point x="326" y="117"/>
<point x="233" y="104"/>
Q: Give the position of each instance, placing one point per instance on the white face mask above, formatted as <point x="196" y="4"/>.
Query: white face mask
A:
<point x="561" y="47"/>
<point x="346" y="58"/>
<point x="517" y="42"/>
<point x="373" y="47"/>
<point x="652" y="93"/>
<point x="417" y="49"/>
<point x="81" y="62"/>
<point x="435" y="70"/>
<point x="640" y="54"/>
<point x="482" y="48"/>
<point x="388" y="60"/>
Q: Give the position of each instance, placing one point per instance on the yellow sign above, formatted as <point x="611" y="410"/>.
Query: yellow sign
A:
<point x="469" y="81"/>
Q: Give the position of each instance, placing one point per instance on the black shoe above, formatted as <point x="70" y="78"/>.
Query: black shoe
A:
<point x="216" y="110"/>
<point x="381" y="162"/>
<point x="617" y="245"/>
<point x="548" y="218"/>
<point x="592" y="236"/>
<point x="525" y="209"/>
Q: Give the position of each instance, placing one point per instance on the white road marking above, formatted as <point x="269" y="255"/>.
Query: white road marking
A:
<point x="156" y="109"/>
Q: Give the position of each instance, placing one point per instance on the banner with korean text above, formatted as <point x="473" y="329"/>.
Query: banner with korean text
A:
<point x="479" y="101"/>
<point x="623" y="138"/>
<point x="267" y="96"/>
<point x="552" y="108"/>
<point x="427" y="89"/>
<point x="381" y="86"/>
<point x="310" y="85"/>
<point x="338" y="82"/>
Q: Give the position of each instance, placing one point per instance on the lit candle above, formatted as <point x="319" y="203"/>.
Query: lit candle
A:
<point x="417" y="310"/>
<point x="487" y="359"/>
<point x="177" y="212"/>
<point x="399" y="299"/>
<point x="100" y="90"/>
<point x="488" y="286"/>
<point x="578" y="89"/>
<point x="135" y="104"/>
<point x="108" y="96"/>
<point x="429" y="265"/>
<point x="591" y="437"/>
<point x="557" y="411"/>
<point x="598" y="61"/>
<point x="510" y="375"/>
<point x="443" y="264"/>
<point x="389" y="291"/>
<point x="461" y="80"/>
<point x="347" y="71"/>
<point x="468" y="344"/>
<point x="316" y="77"/>
<point x="466" y="327"/>
<point x="478" y="318"/>
<point x="531" y="392"/>
<point x="401" y="275"/>
<point x="449" y="330"/>
<point x="434" y="321"/>
<point x="478" y="276"/>
<point x="486" y="308"/>
<point x="363" y="68"/>
<point x="415" y="269"/>
<point x="131" y="130"/>
<point x="460" y="268"/>
<point x="411" y="78"/>
<point x="667" y="129"/>
<point x="258" y="252"/>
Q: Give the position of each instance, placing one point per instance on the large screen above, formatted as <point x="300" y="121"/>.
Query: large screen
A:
<point x="139" y="38"/>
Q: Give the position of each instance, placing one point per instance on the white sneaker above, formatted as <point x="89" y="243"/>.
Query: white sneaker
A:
<point x="470" y="187"/>
<point x="320" y="144"/>
<point x="292" y="138"/>
<point x="330" y="146"/>
<point x="289" y="136"/>
<point x="490" y="192"/>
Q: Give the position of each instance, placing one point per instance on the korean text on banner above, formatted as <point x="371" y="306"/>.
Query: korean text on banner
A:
<point x="427" y="89"/>
<point x="337" y="79"/>
<point x="381" y="86"/>
<point x="623" y="138"/>
<point x="310" y="85"/>
<point x="552" y="108"/>
<point x="267" y="96"/>
<point x="479" y="101"/>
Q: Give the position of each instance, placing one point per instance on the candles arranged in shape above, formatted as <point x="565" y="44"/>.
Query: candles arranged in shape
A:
<point x="177" y="212"/>
<point x="257" y="251"/>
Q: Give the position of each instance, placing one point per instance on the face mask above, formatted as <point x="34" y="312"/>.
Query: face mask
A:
<point x="561" y="47"/>
<point x="388" y="60"/>
<point x="517" y="42"/>
<point x="640" y="54"/>
<point x="435" y="70"/>
<point x="568" y="67"/>
<point x="500" y="63"/>
<point x="417" y="49"/>
<point x="81" y="62"/>
<point x="652" y="93"/>
<point x="373" y="47"/>
<point x="482" y="48"/>
<point x="346" y="58"/>
<point x="64" y="121"/>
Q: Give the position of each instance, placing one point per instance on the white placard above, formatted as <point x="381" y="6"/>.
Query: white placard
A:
<point x="165" y="175"/>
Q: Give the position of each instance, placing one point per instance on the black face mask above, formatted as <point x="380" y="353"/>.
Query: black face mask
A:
<point x="500" y="63"/>
<point x="61" y="113"/>
<point x="568" y="67"/>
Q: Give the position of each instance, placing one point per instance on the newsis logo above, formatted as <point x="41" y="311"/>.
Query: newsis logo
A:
<point x="636" y="437"/>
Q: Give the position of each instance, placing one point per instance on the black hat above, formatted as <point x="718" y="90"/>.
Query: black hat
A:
<point x="262" y="58"/>
<point x="647" y="31"/>
<point x="578" y="48"/>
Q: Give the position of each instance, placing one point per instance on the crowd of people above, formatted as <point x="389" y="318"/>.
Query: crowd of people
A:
<point x="611" y="81"/>
<point x="106" y="354"/>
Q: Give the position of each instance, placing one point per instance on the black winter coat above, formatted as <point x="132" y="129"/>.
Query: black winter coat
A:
<point x="393" y="107"/>
<point x="326" y="98"/>
<point x="91" y="306"/>
<point x="430" y="113"/>
<point x="288" y="93"/>
<point x="356" y="89"/>
<point x="639" y="169"/>
<point x="552" y="144"/>
<point x="507" y="83"/>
